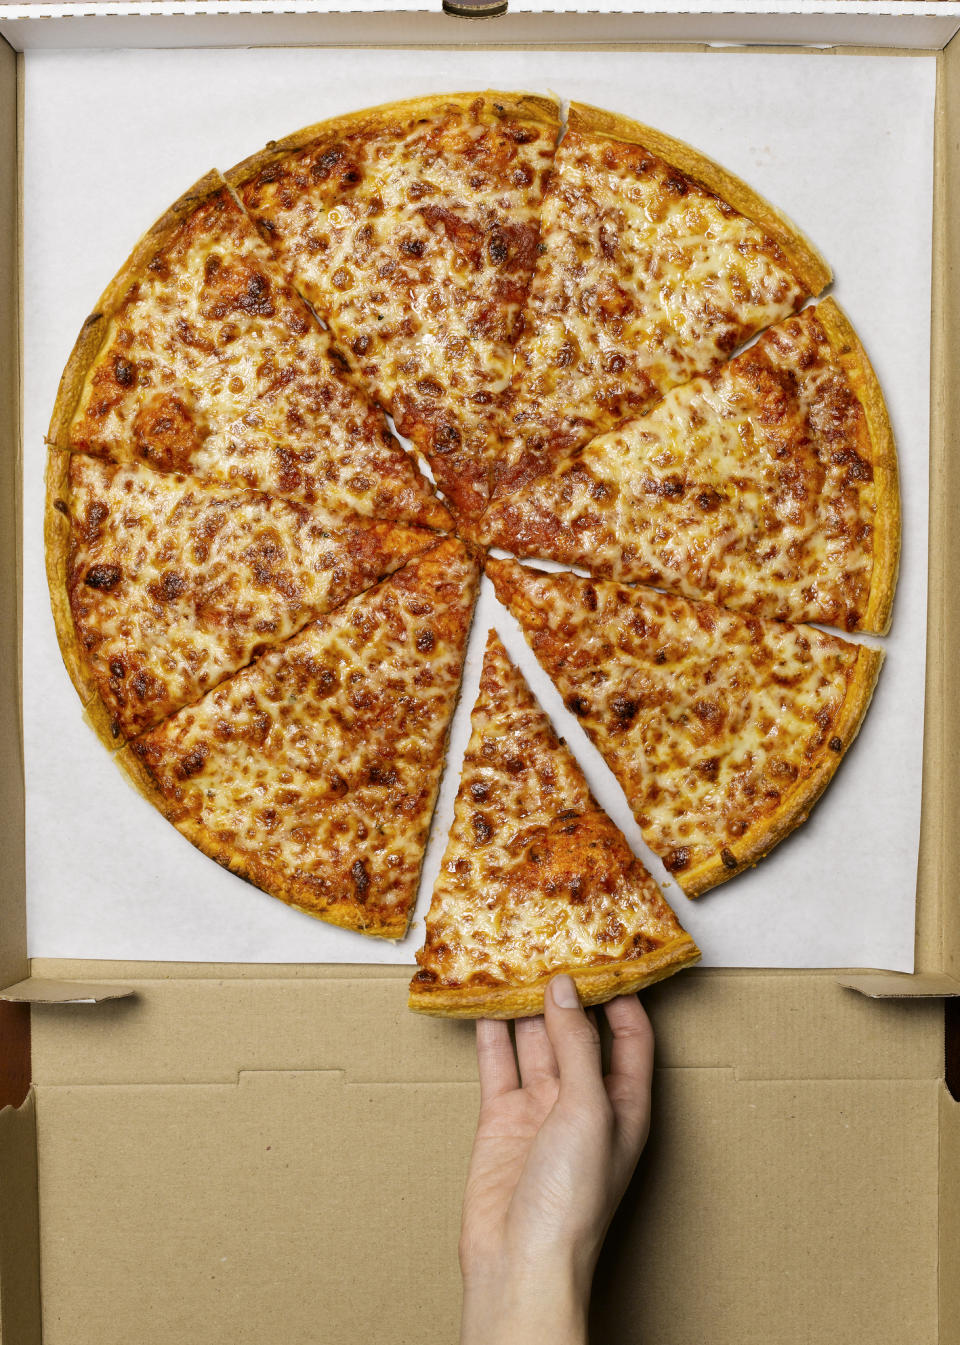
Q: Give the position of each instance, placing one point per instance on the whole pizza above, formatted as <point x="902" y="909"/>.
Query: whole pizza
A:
<point x="329" y="384"/>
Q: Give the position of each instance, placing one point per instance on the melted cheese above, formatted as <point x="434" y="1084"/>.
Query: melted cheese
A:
<point x="752" y="487"/>
<point x="708" y="719"/>
<point x="535" y="877"/>
<point x="415" y="238"/>
<point x="315" y="770"/>
<point x="644" y="280"/>
<point x="212" y="365"/>
<point x="174" y="584"/>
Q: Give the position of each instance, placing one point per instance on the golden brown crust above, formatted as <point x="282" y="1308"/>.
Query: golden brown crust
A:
<point x="810" y="268"/>
<point x="595" y="984"/>
<point x="795" y="807"/>
<point x="95" y="328"/>
<point x="886" y="528"/>
<point x="57" y="534"/>
<point x="531" y="107"/>
<point x="345" y="913"/>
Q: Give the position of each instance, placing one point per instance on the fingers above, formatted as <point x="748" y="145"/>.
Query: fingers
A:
<point x="631" y="1064"/>
<point x="574" y="1038"/>
<point x="534" y="1052"/>
<point x="496" y="1063"/>
<point x="632" y="1053"/>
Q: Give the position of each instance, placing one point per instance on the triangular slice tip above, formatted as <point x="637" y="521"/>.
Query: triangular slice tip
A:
<point x="536" y="878"/>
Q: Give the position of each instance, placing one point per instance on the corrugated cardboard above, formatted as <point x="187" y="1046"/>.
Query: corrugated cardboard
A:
<point x="235" y="1154"/>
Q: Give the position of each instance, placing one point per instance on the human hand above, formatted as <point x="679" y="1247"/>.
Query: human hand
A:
<point x="554" y="1150"/>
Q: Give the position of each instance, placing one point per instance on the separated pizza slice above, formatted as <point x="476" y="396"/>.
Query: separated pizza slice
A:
<point x="163" y="585"/>
<point x="313" y="773"/>
<point x="723" y="730"/>
<point x="769" y="486"/>
<point x="202" y="359"/>
<point x="536" y="879"/>
<point x="654" y="265"/>
<point x="412" y="229"/>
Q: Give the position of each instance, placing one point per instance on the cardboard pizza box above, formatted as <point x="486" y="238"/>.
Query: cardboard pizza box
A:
<point x="225" y="1153"/>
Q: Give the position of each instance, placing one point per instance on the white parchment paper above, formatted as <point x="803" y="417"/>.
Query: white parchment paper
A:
<point x="843" y="144"/>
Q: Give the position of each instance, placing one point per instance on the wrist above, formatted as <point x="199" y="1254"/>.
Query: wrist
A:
<point x="535" y="1303"/>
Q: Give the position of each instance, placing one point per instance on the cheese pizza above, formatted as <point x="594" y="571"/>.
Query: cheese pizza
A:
<point x="769" y="486"/>
<point x="722" y="730"/>
<point x="595" y="339"/>
<point x="412" y="228"/>
<point x="536" y="878"/>
<point x="314" y="771"/>
<point x="170" y="584"/>
<point x="201" y="359"/>
<point x="654" y="265"/>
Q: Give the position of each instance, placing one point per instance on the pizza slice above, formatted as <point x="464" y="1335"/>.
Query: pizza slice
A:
<point x="654" y="265"/>
<point x="317" y="441"/>
<point x="163" y="585"/>
<point x="313" y="773"/>
<point x="536" y="879"/>
<point x="723" y="730"/>
<point x="201" y="359"/>
<point x="412" y="230"/>
<point x="769" y="486"/>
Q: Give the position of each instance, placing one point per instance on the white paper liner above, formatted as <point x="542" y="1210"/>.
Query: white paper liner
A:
<point x="843" y="145"/>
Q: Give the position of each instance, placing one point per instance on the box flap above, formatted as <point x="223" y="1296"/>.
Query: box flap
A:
<point x="917" y="24"/>
<point x="13" y="931"/>
<point x="19" y="1235"/>
<point x="35" y="990"/>
<point x="210" y="1030"/>
<point x="220" y="1209"/>
<point x="901" y="985"/>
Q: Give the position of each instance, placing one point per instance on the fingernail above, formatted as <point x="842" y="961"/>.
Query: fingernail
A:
<point x="564" y="992"/>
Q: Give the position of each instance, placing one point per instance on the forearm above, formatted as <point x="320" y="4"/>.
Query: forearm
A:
<point x="537" y="1309"/>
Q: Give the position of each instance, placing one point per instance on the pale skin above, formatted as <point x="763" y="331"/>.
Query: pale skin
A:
<point x="555" y="1147"/>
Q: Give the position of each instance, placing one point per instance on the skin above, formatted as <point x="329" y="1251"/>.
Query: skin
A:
<point x="555" y="1147"/>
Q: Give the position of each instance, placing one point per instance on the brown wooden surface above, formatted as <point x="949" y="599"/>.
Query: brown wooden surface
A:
<point x="14" y="1053"/>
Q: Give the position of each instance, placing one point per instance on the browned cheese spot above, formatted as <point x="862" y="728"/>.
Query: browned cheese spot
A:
<point x="103" y="577"/>
<point x="677" y="859"/>
<point x="481" y="828"/>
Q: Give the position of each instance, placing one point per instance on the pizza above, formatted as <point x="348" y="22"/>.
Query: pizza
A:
<point x="413" y="229"/>
<point x="314" y="771"/>
<point x="722" y="730"/>
<point x="654" y="265"/>
<point x="328" y="380"/>
<point x="536" y="879"/>
<point x="170" y="583"/>
<point x="769" y="486"/>
<point x="199" y="358"/>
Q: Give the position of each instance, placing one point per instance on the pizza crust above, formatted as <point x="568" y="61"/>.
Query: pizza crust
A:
<point x="58" y="545"/>
<point x="810" y="268"/>
<point x="595" y="985"/>
<point x="94" y="331"/>
<point x="532" y="107"/>
<point x="796" y="806"/>
<point x="344" y="913"/>
<point x="886" y="527"/>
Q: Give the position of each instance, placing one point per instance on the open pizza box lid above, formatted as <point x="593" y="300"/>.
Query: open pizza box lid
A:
<point x="200" y="1151"/>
